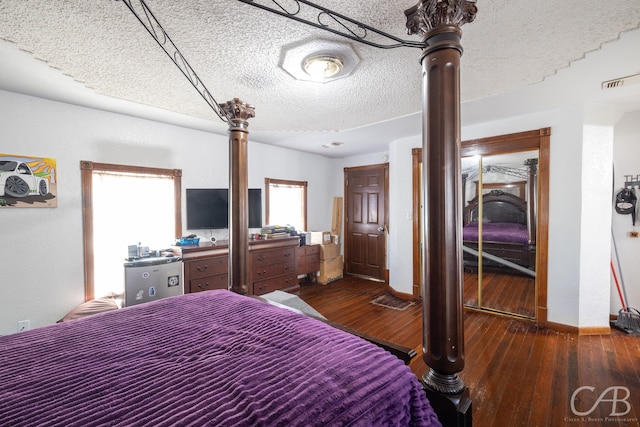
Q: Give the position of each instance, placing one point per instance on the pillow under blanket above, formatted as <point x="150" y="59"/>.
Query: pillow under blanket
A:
<point x="89" y="308"/>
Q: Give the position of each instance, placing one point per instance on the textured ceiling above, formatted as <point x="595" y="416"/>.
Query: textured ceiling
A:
<point x="236" y="49"/>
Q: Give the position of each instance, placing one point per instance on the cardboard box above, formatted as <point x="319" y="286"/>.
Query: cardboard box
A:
<point x="330" y="270"/>
<point x="321" y="237"/>
<point x="328" y="251"/>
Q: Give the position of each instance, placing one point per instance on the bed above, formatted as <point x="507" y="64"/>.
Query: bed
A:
<point x="508" y="220"/>
<point x="208" y="358"/>
<point x="506" y="233"/>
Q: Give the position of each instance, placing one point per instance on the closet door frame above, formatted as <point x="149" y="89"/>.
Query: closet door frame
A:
<point x="538" y="139"/>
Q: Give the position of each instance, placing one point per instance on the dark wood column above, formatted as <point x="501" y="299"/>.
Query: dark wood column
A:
<point x="438" y="22"/>
<point x="239" y="113"/>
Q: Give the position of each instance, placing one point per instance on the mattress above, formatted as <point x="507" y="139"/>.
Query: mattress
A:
<point x="211" y="358"/>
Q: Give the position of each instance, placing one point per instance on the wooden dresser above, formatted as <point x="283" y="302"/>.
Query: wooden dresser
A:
<point x="206" y="266"/>
<point x="272" y="265"/>
<point x="308" y="261"/>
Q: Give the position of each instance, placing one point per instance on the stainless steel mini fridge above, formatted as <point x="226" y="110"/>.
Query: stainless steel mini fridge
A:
<point x="152" y="278"/>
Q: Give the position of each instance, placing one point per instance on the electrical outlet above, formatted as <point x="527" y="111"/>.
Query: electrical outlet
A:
<point x="24" y="325"/>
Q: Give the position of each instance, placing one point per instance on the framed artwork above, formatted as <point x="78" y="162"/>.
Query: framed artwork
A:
<point x="27" y="182"/>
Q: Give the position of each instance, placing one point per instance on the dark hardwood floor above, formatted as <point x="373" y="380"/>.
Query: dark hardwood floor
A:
<point x="501" y="291"/>
<point x="518" y="374"/>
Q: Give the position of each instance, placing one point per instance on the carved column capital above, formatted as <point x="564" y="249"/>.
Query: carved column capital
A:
<point x="430" y="14"/>
<point x="238" y="112"/>
<point x="532" y="164"/>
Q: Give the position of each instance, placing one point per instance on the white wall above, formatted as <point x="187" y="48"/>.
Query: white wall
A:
<point x="400" y="238"/>
<point x="578" y="294"/>
<point x="583" y="144"/>
<point x="41" y="266"/>
<point x="280" y="163"/>
<point x="566" y="251"/>
<point x="41" y="255"/>
<point x="597" y="157"/>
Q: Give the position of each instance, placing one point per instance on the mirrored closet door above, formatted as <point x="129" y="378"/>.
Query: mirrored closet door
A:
<point x="504" y="183"/>
<point x="499" y="232"/>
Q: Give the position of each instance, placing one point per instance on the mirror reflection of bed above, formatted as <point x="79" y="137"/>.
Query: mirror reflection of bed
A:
<point x="499" y="232"/>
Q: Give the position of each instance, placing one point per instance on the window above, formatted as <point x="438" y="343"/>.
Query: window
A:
<point x="286" y="203"/>
<point x="122" y="206"/>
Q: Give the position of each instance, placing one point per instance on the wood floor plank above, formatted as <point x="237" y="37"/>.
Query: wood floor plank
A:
<point x="517" y="373"/>
<point x="618" y="374"/>
<point x="562" y="377"/>
<point x="513" y="293"/>
<point x="630" y="358"/>
<point x="481" y="377"/>
<point x="515" y="368"/>
<point x="530" y="365"/>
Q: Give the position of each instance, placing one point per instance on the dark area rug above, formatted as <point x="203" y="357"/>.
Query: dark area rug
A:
<point x="391" y="301"/>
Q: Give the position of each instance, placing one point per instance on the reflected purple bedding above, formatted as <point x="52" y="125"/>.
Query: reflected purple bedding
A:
<point x="502" y="232"/>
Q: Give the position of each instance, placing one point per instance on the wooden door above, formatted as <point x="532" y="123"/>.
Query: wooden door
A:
<point x="365" y="244"/>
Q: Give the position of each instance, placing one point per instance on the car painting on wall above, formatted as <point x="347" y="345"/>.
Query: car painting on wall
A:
<point x="27" y="182"/>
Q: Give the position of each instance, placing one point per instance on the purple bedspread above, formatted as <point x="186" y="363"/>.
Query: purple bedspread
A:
<point x="211" y="358"/>
<point x="502" y="232"/>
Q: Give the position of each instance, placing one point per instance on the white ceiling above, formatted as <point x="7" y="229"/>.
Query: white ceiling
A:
<point x="96" y="53"/>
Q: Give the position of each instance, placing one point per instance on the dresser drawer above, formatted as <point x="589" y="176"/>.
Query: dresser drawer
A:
<point x="208" y="266"/>
<point x="263" y="272"/>
<point x="273" y="257"/>
<point x="301" y="252"/>
<point x="312" y="264"/>
<point x="220" y="281"/>
<point x="308" y="259"/>
<point x="312" y="249"/>
<point x="274" y="284"/>
<point x="302" y="265"/>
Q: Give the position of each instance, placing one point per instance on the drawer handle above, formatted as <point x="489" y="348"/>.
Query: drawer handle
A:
<point x="206" y="266"/>
<point x="260" y="273"/>
<point x="205" y="286"/>
<point x="287" y="254"/>
<point x="262" y="258"/>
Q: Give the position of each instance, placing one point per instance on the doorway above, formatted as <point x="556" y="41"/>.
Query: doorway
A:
<point x="505" y="183"/>
<point x="366" y="215"/>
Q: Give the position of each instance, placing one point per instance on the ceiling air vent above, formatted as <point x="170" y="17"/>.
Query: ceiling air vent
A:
<point x="621" y="82"/>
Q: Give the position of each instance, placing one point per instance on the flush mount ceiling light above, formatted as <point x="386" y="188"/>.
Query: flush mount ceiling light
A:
<point x="322" y="66"/>
<point x="319" y="61"/>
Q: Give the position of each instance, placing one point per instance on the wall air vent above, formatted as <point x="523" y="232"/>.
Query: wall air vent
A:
<point x="610" y="84"/>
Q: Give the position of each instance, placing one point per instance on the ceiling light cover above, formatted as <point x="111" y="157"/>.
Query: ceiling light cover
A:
<point x="336" y="60"/>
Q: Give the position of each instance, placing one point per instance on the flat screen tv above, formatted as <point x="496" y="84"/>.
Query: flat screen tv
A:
<point x="208" y="208"/>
